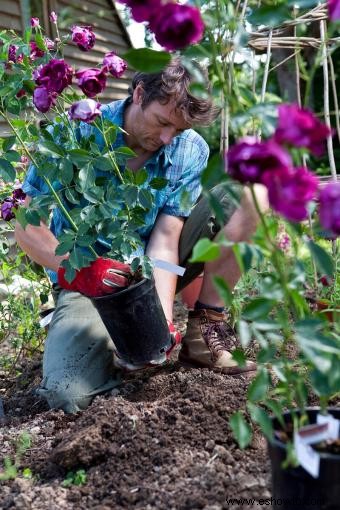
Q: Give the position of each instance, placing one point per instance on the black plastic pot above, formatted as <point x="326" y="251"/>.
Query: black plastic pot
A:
<point x="136" y="322"/>
<point x="294" y="488"/>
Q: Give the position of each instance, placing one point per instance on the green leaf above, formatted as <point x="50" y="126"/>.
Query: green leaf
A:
<point x="72" y="196"/>
<point x="13" y="156"/>
<point x="259" y="416"/>
<point x="33" y="217"/>
<point x="270" y="15"/>
<point x="78" y="258"/>
<point x="103" y="164"/>
<point x="65" y="174"/>
<point x="205" y="251"/>
<point x="223" y="290"/>
<point x="239" y="356"/>
<point x="64" y="247"/>
<point x="86" y="177"/>
<point x="158" y="183"/>
<point x="40" y="41"/>
<point x="257" y="389"/>
<point x="51" y="147"/>
<point x="79" y="156"/>
<point x="141" y="176"/>
<point x="258" y="308"/>
<point x="8" y="143"/>
<point x="241" y="430"/>
<point x="7" y="171"/>
<point x="147" y="60"/>
<point x="145" y="198"/>
<point x="20" y="216"/>
<point x="322" y="259"/>
<point x="244" y="333"/>
<point x="276" y="409"/>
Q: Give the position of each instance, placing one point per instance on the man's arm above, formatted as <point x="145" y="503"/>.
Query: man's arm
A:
<point x="163" y="244"/>
<point x="39" y="243"/>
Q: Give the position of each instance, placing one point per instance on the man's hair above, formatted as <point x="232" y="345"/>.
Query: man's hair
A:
<point x="173" y="83"/>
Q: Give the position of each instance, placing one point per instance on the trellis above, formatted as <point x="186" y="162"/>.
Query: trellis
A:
<point x="267" y="39"/>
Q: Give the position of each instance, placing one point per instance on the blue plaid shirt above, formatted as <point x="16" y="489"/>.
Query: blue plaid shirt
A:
<point x="181" y="163"/>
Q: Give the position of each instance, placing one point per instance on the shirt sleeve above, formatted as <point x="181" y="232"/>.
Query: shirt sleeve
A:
<point x="191" y="160"/>
<point x="34" y="185"/>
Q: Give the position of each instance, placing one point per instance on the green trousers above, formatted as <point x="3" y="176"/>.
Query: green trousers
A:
<point x="78" y="356"/>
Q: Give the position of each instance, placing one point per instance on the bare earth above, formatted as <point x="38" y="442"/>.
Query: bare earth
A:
<point x="161" y="441"/>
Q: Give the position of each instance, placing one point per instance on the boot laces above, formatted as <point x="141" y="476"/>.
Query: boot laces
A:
<point x="220" y="336"/>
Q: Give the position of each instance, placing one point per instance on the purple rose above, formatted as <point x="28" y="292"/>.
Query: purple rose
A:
<point x="92" y="81"/>
<point x="43" y="99"/>
<point x="176" y="26"/>
<point x="35" y="22"/>
<point x="299" y="127"/>
<point x="18" y="195"/>
<point x="12" y="54"/>
<point x="49" y="44"/>
<point x="53" y="17"/>
<point x="114" y="64"/>
<point x="35" y="51"/>
<point x="55" y="76"/>
<point x="249" y="159"/>
<point x="86" y="110"/>
<point x="334" y="9"/>
<point x="142" y="10"/>
<point x="290" y="190"/>
<point x="6" y="209"/>
<point x="330" y="207"/>
<point x="83" y="37"/>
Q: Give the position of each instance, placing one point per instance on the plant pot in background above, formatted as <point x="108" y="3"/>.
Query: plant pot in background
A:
<point x="136" y="322"/>
<point x="191" y="292"/>
<point x="294" y="488"/>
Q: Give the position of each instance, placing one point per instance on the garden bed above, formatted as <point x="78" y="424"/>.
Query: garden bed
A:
<point x="161" y="442"/>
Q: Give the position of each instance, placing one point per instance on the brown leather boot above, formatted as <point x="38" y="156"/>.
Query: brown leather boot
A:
<point x="209" y="342"/>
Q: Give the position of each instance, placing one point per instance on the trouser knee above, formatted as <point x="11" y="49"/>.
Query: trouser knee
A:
<point x="65" y="398"/>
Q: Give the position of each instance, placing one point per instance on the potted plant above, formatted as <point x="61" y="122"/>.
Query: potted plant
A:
<point x="69" y="139"/>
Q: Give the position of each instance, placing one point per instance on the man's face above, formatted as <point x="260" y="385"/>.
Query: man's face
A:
<point x="157" y="124"/>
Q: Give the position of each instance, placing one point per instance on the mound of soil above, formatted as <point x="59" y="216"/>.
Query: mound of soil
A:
<point x="160" y="441"/>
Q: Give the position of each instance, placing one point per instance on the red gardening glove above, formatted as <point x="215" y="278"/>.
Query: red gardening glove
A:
<point x="103" y="276"/>
<point x="176" y="338"/>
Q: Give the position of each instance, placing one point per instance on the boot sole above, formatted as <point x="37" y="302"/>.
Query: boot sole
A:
<point x="232" y="371"/>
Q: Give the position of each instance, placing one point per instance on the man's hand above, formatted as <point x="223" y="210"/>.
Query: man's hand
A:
<point x="176" y="337"/>
<point x="103" y="276"/>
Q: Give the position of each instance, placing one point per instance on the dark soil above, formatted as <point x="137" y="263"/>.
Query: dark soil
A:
<point x="161" y="441"/>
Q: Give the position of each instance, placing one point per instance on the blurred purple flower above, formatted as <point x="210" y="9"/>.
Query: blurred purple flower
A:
<point x="53" y="17"/>
<point x="92" y="81"/>
<point x="86" y="110"/>
<point x="55" y="76"/>
<point x="114" y="64"/>
<point x="12" y="54"/>
<point x="35" y="51"/>
<point x="35" y="22"/>
<point x="20" y="93"/>
<point x="301" y="128"/>
<point x="290" y="190"/>
<point x="330" y="207"/>
<point x="49" y="44"/>
<point x="24" y="160"/>
<point x="334" y="9"/>
<point x="19" y="196"/>
<point x="142" y="10"/>
<point x="249" y="159"/>
<point x="83" y="37"/>
<point x="43" y="99"/>
<point x="6" y="209"/>
<point x="176" y="26"/>
<point x="326" y="281"/>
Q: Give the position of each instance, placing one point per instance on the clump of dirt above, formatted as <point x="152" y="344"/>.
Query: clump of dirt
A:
<point x="161" y="441"/>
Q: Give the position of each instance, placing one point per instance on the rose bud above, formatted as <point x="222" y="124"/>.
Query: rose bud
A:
<point x="35" y="22"/>
<point x="43" y="99"/>
<point x="83" y="37"/>
<point x="55" y="76"/>
<point x="86" y="110"/>
<point x="35" y="51"/>
<point x="53" y="17"/>
<point x="6" y="209"/>
<point x="114" y="64"/>
<point x="92" y="81"/>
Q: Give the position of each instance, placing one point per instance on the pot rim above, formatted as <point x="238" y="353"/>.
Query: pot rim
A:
<point x="121" y="292"/>
<point x="280" y="444"/>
